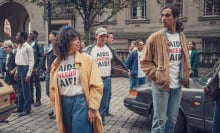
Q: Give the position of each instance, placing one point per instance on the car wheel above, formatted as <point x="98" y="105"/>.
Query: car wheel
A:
<point x="180" y="124"/>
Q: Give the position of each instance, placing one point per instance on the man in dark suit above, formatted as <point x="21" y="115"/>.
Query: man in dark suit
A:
<point x="35" y="78"/>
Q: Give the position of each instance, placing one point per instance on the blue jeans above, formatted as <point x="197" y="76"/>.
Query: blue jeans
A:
<point x="166" y="108"/>
<point x="216" y="117"/>
<point x="109" y="97"/>
<point x="105" y="98"/>
<point x="23" y="90"/>
<point x="47" y="80"/>
<point x="75" y="114"/>
<point x="135" y="82"/>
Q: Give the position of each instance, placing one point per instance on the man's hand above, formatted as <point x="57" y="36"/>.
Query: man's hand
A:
<point x="91" y="115"/>
<point x="27" y="78"/>
<point x="129" y="73"/>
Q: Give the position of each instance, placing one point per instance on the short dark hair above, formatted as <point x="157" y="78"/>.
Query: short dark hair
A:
<point x="61" y="44"/>
<point x="24" y="35"/>
<point x="137" y="41"/>
<point x="109" y="33"/>
<point x="35" y="33"/>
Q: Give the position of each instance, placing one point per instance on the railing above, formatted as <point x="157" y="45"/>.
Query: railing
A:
<point x="206" y="59"/>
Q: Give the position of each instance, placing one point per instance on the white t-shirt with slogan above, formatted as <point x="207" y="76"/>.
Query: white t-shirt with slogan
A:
<point x="103" y="57"/>
<point x="68" y="78"/>
<point x="175" y="56"/>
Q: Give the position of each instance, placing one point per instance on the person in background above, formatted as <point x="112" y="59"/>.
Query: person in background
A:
<point x="109" y="41"/>
<point x="75" y="89"/>
<point x="136" y="74"/>
<point x="24" y="60"/>
<point x="194" y="58"/>
<point x="109" y="66"/>
<point x="165" y="61"/>
<point x="110" y="38"/>
<point x="83" y="45"/>
<point x="47" y="61"/>
<point x="9" y="66"/>
<point x="2" y="59"/>
<point x="132" y="46"/>
<point x="14" y="48"/>
<point x="35" y="77"/>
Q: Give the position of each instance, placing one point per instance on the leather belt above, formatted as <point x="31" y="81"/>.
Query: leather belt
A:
<point x="104" y="78"/>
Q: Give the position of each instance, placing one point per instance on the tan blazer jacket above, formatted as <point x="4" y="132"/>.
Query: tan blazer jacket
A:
<point x="92" y="87"/>
<point x="155" y="60"/>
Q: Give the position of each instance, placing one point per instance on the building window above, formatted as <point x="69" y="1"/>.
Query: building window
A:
<point x="176" y="3"/>
<point x="211" y="7"/>
<point x="211" y="45"/>
<point x="138" y="10"/>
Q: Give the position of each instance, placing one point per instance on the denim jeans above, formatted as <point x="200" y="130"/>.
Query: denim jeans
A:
<point x="135" y="82"/>
<point x="166" y="108"/>
<point x="35" y="80"/>
<point x="105" y="98"/>
<point x="216" y="117"/>
<point x="47" y="80"/>
<point x="109" y="97"/>
<point x="75" y="114"/>
<point x="23" y="90"/>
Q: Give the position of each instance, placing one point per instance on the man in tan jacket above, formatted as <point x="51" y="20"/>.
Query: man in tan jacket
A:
<point x="165" y="61"/>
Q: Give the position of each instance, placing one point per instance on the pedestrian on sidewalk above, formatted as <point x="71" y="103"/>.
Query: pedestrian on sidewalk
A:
<point x="165" y="61"/>
<point x="9" y="66"/>
<point x="194" y="58"/>
<point x="47" y="61"/>
<point x="24" y="60"/>
<point x="35" y="76"/>
<point x="108" y="63"/>
<point x="136" y="74"/>
<point x="75" y="86"/>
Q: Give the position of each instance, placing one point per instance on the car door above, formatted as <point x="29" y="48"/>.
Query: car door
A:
<point x="192" y="105"/>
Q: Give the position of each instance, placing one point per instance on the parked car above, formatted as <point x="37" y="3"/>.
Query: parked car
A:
<point x="7" y="101"/>
<point x="195" y="111"/>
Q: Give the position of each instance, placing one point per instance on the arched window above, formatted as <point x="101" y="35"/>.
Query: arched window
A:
<point x="7" y="28"/>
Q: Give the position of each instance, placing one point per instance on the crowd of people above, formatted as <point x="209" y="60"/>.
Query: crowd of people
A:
<point x="80" y="95"/>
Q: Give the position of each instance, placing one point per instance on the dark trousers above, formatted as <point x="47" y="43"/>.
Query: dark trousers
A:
<point x="23" y="90"/>
<point x="35" y="80"/>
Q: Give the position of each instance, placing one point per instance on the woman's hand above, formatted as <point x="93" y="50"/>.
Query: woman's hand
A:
<point x="91" y="115"/>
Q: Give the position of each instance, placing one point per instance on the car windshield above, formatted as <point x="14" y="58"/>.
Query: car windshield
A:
<point x="205" y="79"/>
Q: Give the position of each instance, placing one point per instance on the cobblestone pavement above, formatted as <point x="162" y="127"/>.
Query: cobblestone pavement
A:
<point x="123" y="121"/>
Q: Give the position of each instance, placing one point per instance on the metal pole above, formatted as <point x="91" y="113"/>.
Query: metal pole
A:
<point x="49" y="19"/>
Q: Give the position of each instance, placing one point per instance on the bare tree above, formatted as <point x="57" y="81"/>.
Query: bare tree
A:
<point x="90" y="9"/>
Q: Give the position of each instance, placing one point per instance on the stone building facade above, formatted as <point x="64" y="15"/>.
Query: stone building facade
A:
<point x="201" y="23"/>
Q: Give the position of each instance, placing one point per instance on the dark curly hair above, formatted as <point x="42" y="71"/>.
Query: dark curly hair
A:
<point x="61" y="44"/>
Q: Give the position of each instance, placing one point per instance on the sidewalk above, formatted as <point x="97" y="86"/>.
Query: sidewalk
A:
<point x="124" y="121"/>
